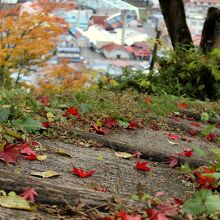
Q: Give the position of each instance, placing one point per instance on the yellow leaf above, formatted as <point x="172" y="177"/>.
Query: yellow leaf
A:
<point x="50" y="116"/>
<point x="2" y="146"/>
<point x="14" y="201"/>
<point x="123" y="155"/>
<point x="41" y="157"/>
<point x="63" y="153"/>
<point x="100" y="158"/>
<point x="45" y="174"/>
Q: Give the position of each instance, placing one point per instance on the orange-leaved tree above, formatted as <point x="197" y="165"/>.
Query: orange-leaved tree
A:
<point x="27" y="38"/>
<point x="62" y="78"/>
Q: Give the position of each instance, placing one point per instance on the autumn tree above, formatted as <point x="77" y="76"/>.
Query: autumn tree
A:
<point x="62" y="78"/>
<point x="27" y="39"/>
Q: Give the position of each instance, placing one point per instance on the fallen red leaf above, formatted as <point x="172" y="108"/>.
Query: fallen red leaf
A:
<point x="30" y="157"/>
<point x="155" y="214"/>
<point x="178" y="201"/>
<point x="183" y="105"/>
<point x="81" y="173"/>
<point x="132" y="125"/>
<point x="195" y="124"/>
<point x="71" y="111"/>
<point x="192" y="132"/>
<point x="211" y="137"/>
<point x="44" y="100"/>
<point x="154" y="126"/>
<point x="205" y="182"/>
<point x="137" y="154"/>
<point x="172" y="161"/>
<point x="28" y="151"/>
<point x="148" y="100"/>
<point x="122" y="215"/>
<point x="101" y="131"/>
<point x="9" y="154"/>
<point x="109" y="122"/>
<point x="187" y="152"/>
<point x="29" y="194"/>
<point x="210" y="170"/>
<point x="142" y="166"/>
<point x="46" y="124"/>
<point x="173" y="136"/>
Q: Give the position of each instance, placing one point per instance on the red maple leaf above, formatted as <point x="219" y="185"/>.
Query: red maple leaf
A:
<point x="178" y="201"/>
<point x="109" y="122"/>
<point x="29" y="194"/>
<point x="132" y="125"/>
<point x="137" y="154"/>
<point x="195" y="124"/>
<point x="99" y="130"/>
<point x="173" y="136"/>
<point x="28" y="151"/>
<point x="172" y="161"/>
<point x="154" y="126"/>
<point x="142" y="166"/>
<point x="187" y="152"/>
<point x="205" y="182"/>
<point x="71" y="111"/>
<point x="183" y="105"/>
<point x="46" y="124"/>
<point x="210" y="170"/>
<point x="81" y="173"/>
<point x="122" y="215"/>
<point x="211" y="137"/>
<point x="155" y="214"/>
<point x="161" y="212"/>
<point x="9" y="154"/>
<point x="44" y="100"/>
<point x="192" y="132"/>
<point x="30" y="157"/>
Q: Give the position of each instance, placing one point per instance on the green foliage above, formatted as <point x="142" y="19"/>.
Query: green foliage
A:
<point x="202" y="202"/>
<point x="27" y="124"/>
<point x="189" y="72"/>
<point x="183" y="72"/>
<point x="18" y="103"/>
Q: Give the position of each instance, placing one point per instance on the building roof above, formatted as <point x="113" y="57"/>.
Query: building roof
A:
<point x="98" y="20"/>
<point x="116" y="4"/>
<point x="208" y="1"/>
<point x="76" y="32"/>
<point x="112" y="46"/>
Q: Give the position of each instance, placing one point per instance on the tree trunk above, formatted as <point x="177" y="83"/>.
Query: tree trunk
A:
<point x="211" y="30"/>
<point x="174" y="16"/>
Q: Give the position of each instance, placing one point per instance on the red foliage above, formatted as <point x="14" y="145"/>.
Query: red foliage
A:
<point x="187" y="152"/>
<point x="30" y="157"/>
<point x="211" y="137"/>
<point x="172" y="161"/>
<point x="29" y="194"/>
<point x="28" y="151"/>
<point x="192" y="132"/>
<point x="183" y="105"/>
<point x="99" y="130"/>
<point x="46" y="124"/>
<point x="109" y="122"/>
<point x="173" y="136"/>
<point x="195" y="124"/>
<point x="142" y="166"/>
<point x="132" y="125"/>
<point x="122" y="215"/>
<point x="137" y="154"/>
<point x="44" y="100"/>
<point x="81" y="173"/>
<point x="71" y="111"/>
<point x="154" y="126"/>
<point x="9" y="153"/>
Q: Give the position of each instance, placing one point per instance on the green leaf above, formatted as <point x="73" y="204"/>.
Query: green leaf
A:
<point x="199" y="151"/>
<point x="27" y="124"/>
<point x="84" y="108"/>
<point x="4" y="114"/>
<point x="202" y="202"/>
<point x="204" y="116"/>
<point x="208" y="130"/>
<point x="123" y="124"/>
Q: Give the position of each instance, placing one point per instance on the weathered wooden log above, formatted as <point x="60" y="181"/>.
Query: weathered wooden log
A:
<point x="53" y="194"/>
<point x="211" y="30"/>
<point x="146" y="153"/>
<point x="175" y="19"/>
